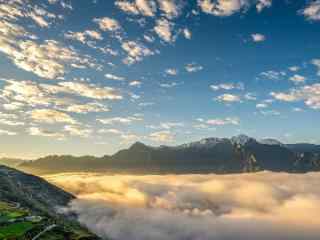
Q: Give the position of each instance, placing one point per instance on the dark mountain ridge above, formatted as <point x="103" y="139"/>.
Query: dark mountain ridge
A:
<point x="217" y="155"/>
<point x="31" y="205"/>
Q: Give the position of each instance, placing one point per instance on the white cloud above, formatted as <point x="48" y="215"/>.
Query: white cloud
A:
<point x="224" y="8"/>
<point x="294" y="68"/>
<point x="310" y="94"/>
<point x="136" y="52"/>
<point x="6" y="132"/>
<point x="13" y="106"/>
<point x="114" y="77"/>
<point x="78" y="130"/>
<point x="168" y="85"/>
<point x="83" y="37"/>
<point x="167" y="125"/>
<point x="316" y="63"/>
<point x="89" y="91"/>
<point x="119" y="120"/>
<point x="193" y="67"/>
<point x="10" y="119"/>
<point x="164" y="29"/>
<point x="162" y="136"/>
<point x="297" y="79"/>
<point x="262" y="4"/>
<point x="51" y="116"/>
<point x="252" y="206"/>
<point x="128" y="7"/>
<point x="171" y="71"/>
<point x="111" y="131"/>
<point x="312" y="11"/>
<point x="36" y="131"/>
<point x="170" y="8"/>
<point x="187" y="33"/>
<point x="258" y="37"/>
<point x="135" y="83"/>
<point x="262" y="105"/>
<point x="227" y="86"/>
<point x="107" y="24"/>
<point x="93" y="107"/>
<point x="146" y="7"/>
<point x="220" y="121"/>
<point x="45" y="60"/>
<point x="228" y="98"/>
<point x="273" y="75"/>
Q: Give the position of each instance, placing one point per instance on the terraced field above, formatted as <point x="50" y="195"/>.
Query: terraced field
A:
<point x="17" y="223"/>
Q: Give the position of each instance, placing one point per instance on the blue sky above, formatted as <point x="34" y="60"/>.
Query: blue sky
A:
<point x="92" y="77"/>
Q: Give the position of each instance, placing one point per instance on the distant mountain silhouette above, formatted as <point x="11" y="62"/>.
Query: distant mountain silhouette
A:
<point x="217" y="155"/>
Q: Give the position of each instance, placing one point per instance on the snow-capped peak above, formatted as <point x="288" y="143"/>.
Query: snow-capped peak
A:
<point x="241" y="139"/>
<point x="270" y="141"/>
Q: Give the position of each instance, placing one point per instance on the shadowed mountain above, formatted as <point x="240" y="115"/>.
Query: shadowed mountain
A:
<point x="217" y="155"/>
<point x="31" y="191"/>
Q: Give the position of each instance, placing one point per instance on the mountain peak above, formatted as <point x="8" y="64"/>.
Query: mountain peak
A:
<point x="242" y="139"/>
<point x="138" y="145"/>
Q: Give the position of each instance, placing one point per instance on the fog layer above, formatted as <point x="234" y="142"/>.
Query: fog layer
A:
<point x="260" y="206"/>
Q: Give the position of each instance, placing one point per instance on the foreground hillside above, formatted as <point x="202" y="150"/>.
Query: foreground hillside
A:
<point x="29" y="209"/>
<point x="217" y="155"/>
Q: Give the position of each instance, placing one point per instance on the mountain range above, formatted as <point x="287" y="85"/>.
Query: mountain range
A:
<point x="211" y="155"/>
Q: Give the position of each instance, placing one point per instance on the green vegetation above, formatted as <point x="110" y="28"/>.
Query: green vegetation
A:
<point x="17" y="223"/>
<point x="15" y="230"/>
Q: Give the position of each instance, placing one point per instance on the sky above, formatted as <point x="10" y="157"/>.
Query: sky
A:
<point x="92" y="77"/>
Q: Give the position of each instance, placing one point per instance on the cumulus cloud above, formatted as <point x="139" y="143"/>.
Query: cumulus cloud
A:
<point x="21" y="94"/>
<point x="78" y="130"/>
<point x="171" y="71"/>
<point x="136" y="52"/>
<point x="83" y="37"/>
<point x="227" y="86"/>
<point x="10" y="119"/>
<point x="316" y="63"/>
<point x="107" y="24"/>
<point x="51" y="116"/>
<point x="164" y="29"/>
<point x="297" y="79"/>
<point x="114" y="77"/>
<point x="135" y="83"/>
<point x="7" y="132"/>
<point x="144" y="7"/>
<point x="89" y="91"/>
<point x="193" y="67"/>
<point x="168" y="85"/>
<point x="258" y="37"/>
<point x="170" y="8"/>
<point x="45" y="58"/>
<point x="310" y="94"/>
<point x="228" y="98"/>
<point x="220" y="121"/>
<point x="224" y="8"/>
<point x="122" y="120"/>
<point x="128" y="7"/>
<point x="312" y="11"/>
<point x="207" y="207"/>
<point x="93" y="107"/>
<point x="36" y="131"/>
<point x="273" y="75"/>
<point x="162" y="136"/>
<point x="187" y="33"/>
